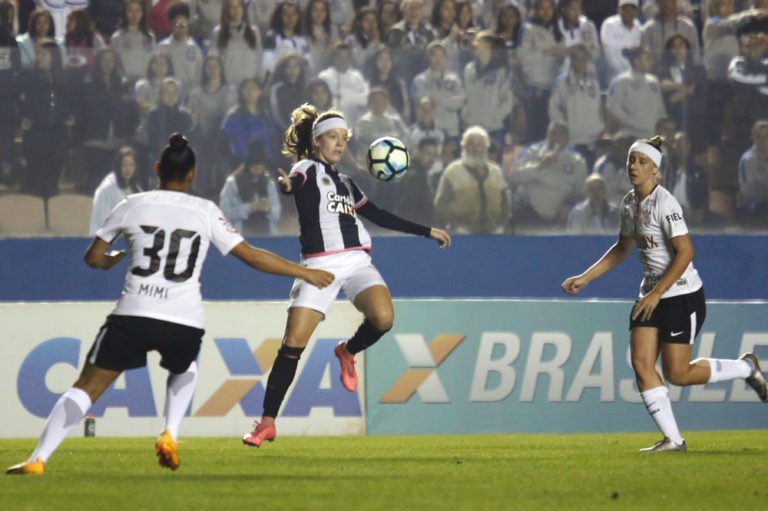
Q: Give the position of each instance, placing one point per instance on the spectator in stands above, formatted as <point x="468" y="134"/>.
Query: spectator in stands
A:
<point x="166" y="118"/>
<point x="380" y="73"/>
<point x="459" y="40"/>
<point x="613" y="167"/>
<point x="753" y="177"/>
<point x="685" y="90"/>
<point x="549" y="178"/>
<point x="618" y="32"/>
<point x="472" y="195"/>
<point x="594" y="215"/>
<point x="408" y="40"/>
<point x="667" y="22"/>
<point x="576" y="101"/>
<point x="342" y="13"/>
<point x="721" y="46"/>
<point x="208" y="103"/>
<point x="238" y="43"/>
<point x="686" y="179"/>
<point x="40" y="29"/>
<point x="249" y="121"/>
<point x="285" y="34"/>
<point x="133" y="42"/>
<point x="159" y="22"/>
<point x="442" y="19"/>
<point x="364" y="38"/>
<point x="424" y="126"/>
<point x="116" y="186"/>
<point x="205" y="15"/>
<point x="748" y="75"/>
<point x="81" y="42"/>
<point x="60" y="10"/>
<point x="684" y="7"/>
<point x="634" y="100"/>
<point x="347" y="85"/>
<point x="109" y="115"/>
<point x="10" y="65"/>
<point x="249" y="198"/>
<point x="106" y="15"/>
<point x="377" y="122"/>
<point x="260" y="13"/>
<point x="509" y="29"/>
<point x="443" y="88"/>
<point x="319" y="95"/>
<point x="322" y="34"/>
<point x="46" y="120"/>
<point x="414" y="194"/>
<point x="388" y="14"/>
<point x="287" y="88"/>
<point x="576" y="28"/>
<point x="147" y="90"/>
<point x="181" y="48"/>
<point x="541" y="55"/>
<point x="488" y="97"/>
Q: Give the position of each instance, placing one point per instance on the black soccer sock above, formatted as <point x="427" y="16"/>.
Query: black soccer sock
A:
<point x="365" y="337"/>
<point x="280" y="378"/>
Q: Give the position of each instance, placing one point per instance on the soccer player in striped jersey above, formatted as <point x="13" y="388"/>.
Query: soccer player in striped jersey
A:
<point x="670" y="310"/>
<point x="332" y="238"/>
<point x="168" y="233"/>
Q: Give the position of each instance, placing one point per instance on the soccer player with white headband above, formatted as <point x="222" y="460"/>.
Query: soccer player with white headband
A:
<point x="329" y="205"/>
<point x="670" y="309"/>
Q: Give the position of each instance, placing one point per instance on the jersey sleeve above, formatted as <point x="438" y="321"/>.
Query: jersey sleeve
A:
<point x="357" y="194"/>
<point x="223" y="236"/>
<point x="671" y="218"/>
<point x="113" y="225"/>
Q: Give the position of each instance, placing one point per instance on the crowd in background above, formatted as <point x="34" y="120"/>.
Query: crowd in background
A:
<point x="517" y="114"/>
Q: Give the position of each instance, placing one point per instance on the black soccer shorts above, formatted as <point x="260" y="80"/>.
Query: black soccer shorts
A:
<point x="679" y="318"/>
<point x="124" y="341"/>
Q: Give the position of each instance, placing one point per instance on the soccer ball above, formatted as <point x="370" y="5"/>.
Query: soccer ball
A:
<point x="388" y="159"/>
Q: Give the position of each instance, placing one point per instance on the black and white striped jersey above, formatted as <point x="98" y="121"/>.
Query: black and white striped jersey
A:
<point x="327" y="203"/>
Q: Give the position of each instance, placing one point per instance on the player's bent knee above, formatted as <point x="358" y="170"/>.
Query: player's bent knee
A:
<point x="382" y="321"/>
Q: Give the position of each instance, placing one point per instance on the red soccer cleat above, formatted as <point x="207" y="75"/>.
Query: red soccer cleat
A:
<point x="347" y="363"/>
<point x="260" y="433"/>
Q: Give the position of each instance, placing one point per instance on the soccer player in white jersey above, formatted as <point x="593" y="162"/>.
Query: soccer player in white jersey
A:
<point x="168" y="233"/>
<point x="670" y="310"/>
<point x="332" y="238"/>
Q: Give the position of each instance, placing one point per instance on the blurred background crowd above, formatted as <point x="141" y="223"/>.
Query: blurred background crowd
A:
<point x="517" y="113"/>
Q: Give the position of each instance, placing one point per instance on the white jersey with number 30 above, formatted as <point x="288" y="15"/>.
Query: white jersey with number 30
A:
<point x="168" y="235"/>
<point x="652" y="223"/>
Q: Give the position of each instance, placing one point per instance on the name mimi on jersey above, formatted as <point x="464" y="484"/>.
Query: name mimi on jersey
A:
<point x="342" y="204"/>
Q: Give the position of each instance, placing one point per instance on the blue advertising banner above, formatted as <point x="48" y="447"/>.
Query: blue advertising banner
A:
<point x="477" y="366"/>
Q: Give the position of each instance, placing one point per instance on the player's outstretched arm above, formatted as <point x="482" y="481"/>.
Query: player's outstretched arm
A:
<point x="268" y="262"/>
<point x="96" y="256"/>
<point x="442" y="237"/>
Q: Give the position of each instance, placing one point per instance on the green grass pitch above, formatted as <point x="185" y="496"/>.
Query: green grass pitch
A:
<point x="725" y="470"/>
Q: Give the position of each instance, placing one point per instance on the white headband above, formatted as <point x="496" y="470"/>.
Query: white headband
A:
<point x="328" y="124"/>
<point x="648" y="150"/>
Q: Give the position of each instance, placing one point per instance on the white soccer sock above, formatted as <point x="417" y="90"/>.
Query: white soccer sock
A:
<point x="178" y="395"/>
<point x="721" y="369"/>
<point x="660" y="408"/>
<point x="66" y="414"/>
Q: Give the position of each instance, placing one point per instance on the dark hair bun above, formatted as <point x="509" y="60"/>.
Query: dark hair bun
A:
<point x="177" y="142"/>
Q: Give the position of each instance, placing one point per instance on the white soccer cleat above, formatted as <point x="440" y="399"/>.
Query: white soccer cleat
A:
<point x="666" y="445"/>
